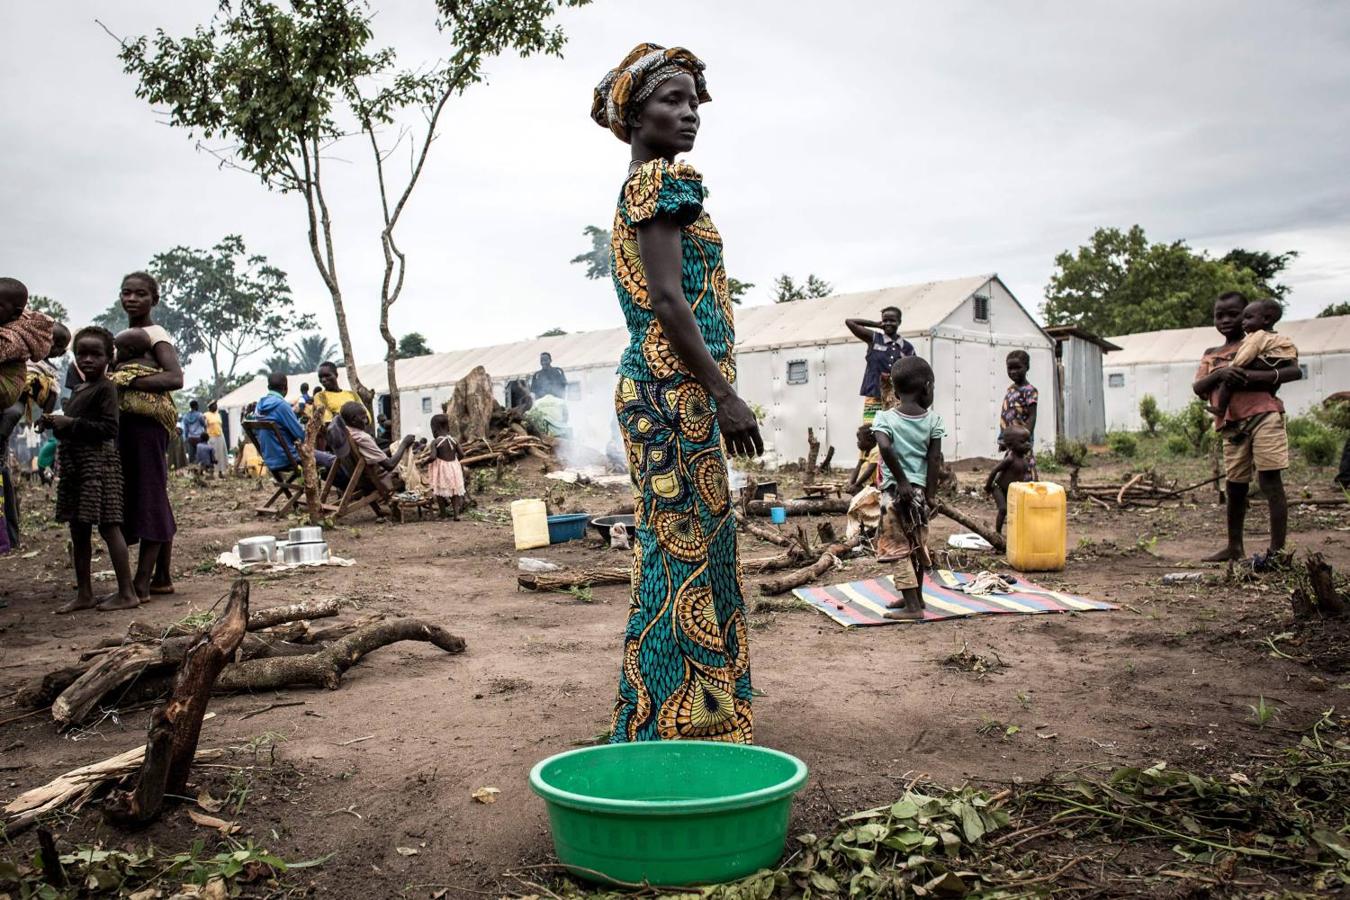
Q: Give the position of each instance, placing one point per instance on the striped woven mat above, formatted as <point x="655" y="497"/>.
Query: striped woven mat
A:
<point x="864" y="602"/>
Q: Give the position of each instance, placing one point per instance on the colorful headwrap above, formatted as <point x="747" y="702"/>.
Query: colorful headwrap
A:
<point x="625" y="88"/>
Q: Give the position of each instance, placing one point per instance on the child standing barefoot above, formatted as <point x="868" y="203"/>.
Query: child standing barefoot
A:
<point x="909" y="437"/>
<point x="446" y="474"/>
<point x="89" y="494"/>
<point x="1015" y="466"/>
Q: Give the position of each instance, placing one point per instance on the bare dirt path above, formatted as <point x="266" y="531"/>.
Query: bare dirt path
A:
<point x="392" y="758"/>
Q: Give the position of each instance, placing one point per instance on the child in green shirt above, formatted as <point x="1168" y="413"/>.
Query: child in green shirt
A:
<point x="909" y="438"/>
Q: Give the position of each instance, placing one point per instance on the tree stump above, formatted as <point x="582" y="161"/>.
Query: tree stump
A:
<point x="1323" y="583"/>
<point x="812" y="454"/>
<point x="175" y="727"/>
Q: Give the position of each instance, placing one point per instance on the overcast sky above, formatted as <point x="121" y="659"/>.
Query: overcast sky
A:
<point x="870" y="143"/>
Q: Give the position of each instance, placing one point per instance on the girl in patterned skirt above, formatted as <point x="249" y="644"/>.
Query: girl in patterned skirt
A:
<point x="89" y="493"/>
<point x="686" y="663"/>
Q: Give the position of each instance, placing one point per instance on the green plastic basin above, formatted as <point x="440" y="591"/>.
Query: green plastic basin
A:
<point x="668" y="813"/>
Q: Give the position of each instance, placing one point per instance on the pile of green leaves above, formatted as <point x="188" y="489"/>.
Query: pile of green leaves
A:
<point x="1278" y="825"/>
<point x="98" y="872"/>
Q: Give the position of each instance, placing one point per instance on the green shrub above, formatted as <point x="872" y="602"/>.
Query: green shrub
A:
<point x="1301" y="427"/>
<point x="1177" y="445"/>
<point x="1071" y="453"/>
<point x="1122" y="443"/>
<point x="1320" y="447"/>
<point x="1193" y="424"/>
<point x="1150" y="413"/>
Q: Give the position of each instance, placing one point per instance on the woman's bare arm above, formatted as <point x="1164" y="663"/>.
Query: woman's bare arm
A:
<point x="171" y="379"/>
<point x="659" y="246"/>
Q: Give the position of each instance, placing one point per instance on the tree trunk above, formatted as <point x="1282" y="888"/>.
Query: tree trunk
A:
<point x="812" y="455"/>
<point x="175" y="728"/>
<point x="310" y="471"/>
<point x="983" y="530"/>
<point x="471" y="407"/>
<point x="827" y="464"/>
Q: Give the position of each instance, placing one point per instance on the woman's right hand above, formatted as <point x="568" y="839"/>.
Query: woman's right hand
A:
<point x="740" y="430"/>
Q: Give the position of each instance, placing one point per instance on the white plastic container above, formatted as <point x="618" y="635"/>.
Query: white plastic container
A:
<point x="529" y="520"/>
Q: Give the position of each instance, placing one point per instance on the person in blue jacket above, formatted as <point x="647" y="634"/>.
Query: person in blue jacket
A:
<point x="275" y="408"/>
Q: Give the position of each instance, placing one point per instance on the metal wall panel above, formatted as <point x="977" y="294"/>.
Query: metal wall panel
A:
<point x="1084" y="404"/>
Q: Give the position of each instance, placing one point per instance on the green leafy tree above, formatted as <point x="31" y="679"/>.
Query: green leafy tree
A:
<point x="785" y="290"/>
<point x="597" y="259"/>
<point x="738" y="289"/>
<point x="224" y="303"/>
<point x="280" y="86"/>
<point x="1119" y="283"/>
<point x="1335" y="309"/>
<point x="54" y="308"/>
<point x="553" y="332"/>
<point x="413" y="344"/>
<point x="1265" y="266"/>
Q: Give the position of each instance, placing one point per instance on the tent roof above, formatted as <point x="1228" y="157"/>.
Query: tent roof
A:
<point x="924" y="305"/>
<point x="1063" y="331"/>
<point x="1311" y="336"/>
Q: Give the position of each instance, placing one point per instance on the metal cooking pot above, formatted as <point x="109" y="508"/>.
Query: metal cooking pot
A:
<point x="257" y="549"/>
<point x="305" y="553"/>
<point x="307" y="535"/>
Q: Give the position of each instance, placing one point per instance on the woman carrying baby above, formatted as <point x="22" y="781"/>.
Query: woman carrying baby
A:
<point x="143" y="440"/>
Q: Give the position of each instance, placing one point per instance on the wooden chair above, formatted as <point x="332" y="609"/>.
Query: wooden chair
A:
<point x="289" y="480"/>
<point x="356" y="494"/>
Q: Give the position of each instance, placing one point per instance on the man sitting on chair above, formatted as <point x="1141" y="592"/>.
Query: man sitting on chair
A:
<point x="275" y="409"/>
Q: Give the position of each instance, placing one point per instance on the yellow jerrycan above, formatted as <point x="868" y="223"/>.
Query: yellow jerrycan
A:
<point x="1038" y="526"/>
<point x="529" y="520"/>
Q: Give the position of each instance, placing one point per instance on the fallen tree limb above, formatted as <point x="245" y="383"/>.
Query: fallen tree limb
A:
<point x="561" y="581"/>
<point x="770" y="563"/>
<point x="76" y="786"/>
<point x="828" y="560"/>
<point x="326" y="667"/>
<point x="43" y="690"/>
<point x="277" y="615"/>
<point x="175" y="727"/>
<point x="983" y="530"/>
<point x="803" y="507"/>
<point x="113" y="669"/>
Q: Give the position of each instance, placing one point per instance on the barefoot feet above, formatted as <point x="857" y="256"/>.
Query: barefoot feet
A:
<point x="81" y="601"/>
<point x="119" y="601"/>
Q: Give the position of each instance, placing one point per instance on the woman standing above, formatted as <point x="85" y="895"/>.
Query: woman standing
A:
<point x="686" y="663"/>
<point x="143" y="444"/>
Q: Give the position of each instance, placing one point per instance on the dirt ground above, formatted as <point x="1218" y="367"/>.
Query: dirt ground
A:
<point x="392" y="758"/>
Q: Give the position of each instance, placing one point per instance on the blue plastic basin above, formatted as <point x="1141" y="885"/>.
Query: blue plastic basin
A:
<point x="570" y="527"/>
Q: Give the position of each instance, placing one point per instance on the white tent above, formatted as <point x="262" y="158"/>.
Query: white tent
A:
<point x="1163" y="363"/>
<point x="796" y="360"/>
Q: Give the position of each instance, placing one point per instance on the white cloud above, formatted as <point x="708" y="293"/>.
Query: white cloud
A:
<point x="869" y="143"/>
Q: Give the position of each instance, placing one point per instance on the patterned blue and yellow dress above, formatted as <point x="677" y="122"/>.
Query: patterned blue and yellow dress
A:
<point x="686" y="663"/>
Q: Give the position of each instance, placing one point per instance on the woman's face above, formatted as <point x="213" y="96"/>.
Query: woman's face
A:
<point x="137" y="301"/>
<point x="91" y="356"/>
<point x="668" y="122"/>
<point x="328" y="378"/>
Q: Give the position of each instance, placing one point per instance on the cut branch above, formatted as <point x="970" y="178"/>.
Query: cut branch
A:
<point x="983" y="530"/>
<point x="805" y="575"/>
<point x="326" y="667"/>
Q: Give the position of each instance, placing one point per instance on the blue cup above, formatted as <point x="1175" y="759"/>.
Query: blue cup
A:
<point x="777" y="515"/>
